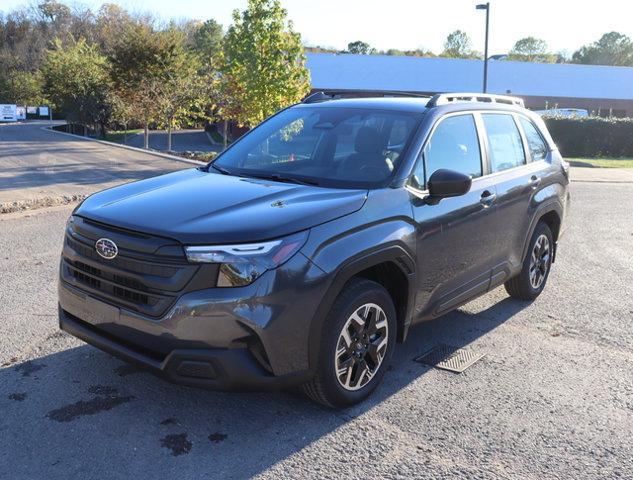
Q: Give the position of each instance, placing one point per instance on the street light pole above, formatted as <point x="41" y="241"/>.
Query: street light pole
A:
<point x="486" y="7"/>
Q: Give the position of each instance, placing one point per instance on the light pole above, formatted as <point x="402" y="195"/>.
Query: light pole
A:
<point x="486" y="7"/>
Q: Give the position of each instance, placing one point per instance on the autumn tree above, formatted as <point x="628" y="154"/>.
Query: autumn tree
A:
<point x="612" y="48"/>
<point x="143" y="63"/>
<point x="531" y="49"/>
<point x="458" y="45"/>
<point x="262" y="64"/>
<point x="360" y="48"/>
<point x="76" y="81"/>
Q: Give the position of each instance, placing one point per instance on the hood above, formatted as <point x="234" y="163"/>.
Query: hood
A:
<point x="196" y="207"/>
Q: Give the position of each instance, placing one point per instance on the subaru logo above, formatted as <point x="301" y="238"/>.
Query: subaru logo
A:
<point x="106" y="248"/>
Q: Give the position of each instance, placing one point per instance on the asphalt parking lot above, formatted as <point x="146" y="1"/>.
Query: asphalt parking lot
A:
<point x="41" y="167"/>
<point x="552" y="398"/>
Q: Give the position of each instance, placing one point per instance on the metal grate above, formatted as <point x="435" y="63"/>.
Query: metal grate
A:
<point x="448" y="357"/>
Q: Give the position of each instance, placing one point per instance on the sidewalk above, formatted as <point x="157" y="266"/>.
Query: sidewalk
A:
<point x="613" y="175"/>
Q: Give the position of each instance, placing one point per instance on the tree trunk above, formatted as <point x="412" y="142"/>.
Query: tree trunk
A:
<point x="169" y="136"/>
<point x="85" y="130"/>
<point x="225" y="128"/>
<point x="146" y="136"/>
<point x="125" y="134"/>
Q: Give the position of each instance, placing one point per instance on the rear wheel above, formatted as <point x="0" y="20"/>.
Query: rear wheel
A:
<point x="357" y="343"/>
<point x="536" y="266"/>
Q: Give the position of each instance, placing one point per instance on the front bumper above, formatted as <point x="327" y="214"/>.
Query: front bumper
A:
<point x="249" y="338"/>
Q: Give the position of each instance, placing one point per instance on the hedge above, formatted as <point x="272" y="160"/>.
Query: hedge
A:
<point x="592" y="136"/>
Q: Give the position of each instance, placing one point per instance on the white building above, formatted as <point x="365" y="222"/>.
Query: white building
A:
<point x="603" y="90"/>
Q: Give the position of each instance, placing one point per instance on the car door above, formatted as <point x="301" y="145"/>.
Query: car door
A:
<point x="517" y="162"/>
<point x="453" y="235"/>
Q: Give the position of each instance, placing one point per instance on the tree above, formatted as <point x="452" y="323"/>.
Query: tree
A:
<point x="208" y="39"/>
<point x="360" y="48"/>
<point x="262" y="64"/>
<point x="613" y="48"/>
<point x="22" y="88"/>
<point x="76" y="81"/>
<point x="531" y="49"/>
<point x="144" y="64"/>
<point x="458" y="45"/>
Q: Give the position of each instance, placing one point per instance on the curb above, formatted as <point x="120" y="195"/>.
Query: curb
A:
<point x="128" y="147"/>
<point x="37" y="203"/>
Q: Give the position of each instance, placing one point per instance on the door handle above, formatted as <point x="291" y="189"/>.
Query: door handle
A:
<point x="487" y="198"/>
<point x="534" y="181"/>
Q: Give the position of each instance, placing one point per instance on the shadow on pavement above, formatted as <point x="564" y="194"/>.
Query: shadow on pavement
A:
<point x="81" y="411"/>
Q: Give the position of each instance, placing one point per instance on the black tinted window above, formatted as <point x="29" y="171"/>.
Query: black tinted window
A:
<point x="453" y="145"/>
<point x="333" y="146"/>
<point x="538" y="148"/>
<point x="504" y="140"/>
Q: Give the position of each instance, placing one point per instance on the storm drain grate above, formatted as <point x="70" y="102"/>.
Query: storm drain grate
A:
<point x="449" y="358"/>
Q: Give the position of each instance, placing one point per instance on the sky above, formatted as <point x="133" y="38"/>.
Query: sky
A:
<point x="408" y="24"/>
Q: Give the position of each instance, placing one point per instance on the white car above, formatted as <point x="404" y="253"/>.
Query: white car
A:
<point x="563" y="112"/>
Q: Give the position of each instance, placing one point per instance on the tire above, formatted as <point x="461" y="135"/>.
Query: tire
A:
<point x="536" y="266"/>
<point x="363" y="359"/>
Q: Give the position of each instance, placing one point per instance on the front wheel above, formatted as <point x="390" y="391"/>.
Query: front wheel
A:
<point x="536" y="266"/>
<point x="357" y="342"/>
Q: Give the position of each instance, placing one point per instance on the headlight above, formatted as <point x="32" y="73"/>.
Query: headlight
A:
<point x="242" y="264"/>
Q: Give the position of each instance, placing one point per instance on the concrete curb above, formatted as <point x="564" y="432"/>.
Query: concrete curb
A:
<point x="128" y="147"/>
<point x="37" y="203"/>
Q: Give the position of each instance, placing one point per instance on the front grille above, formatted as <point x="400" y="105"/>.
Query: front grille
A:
<point x="148" y="283"/>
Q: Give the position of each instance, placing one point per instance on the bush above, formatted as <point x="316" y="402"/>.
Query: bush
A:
<point x="592" y="136"/>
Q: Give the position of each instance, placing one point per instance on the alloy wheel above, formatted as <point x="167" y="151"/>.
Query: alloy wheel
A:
<point x="539" y="261"/>
<point x="361" y="346"/>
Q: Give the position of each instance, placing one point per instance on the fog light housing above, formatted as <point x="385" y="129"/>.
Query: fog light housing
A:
<point x="242" y="264"/>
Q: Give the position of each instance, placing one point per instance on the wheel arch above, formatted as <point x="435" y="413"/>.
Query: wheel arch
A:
<point x="550" y="213"/>
<point x="392" y="267"/>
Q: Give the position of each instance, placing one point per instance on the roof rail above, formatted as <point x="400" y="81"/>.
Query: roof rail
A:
<point x="325" y="95"/>
<point x="445" y="98"/>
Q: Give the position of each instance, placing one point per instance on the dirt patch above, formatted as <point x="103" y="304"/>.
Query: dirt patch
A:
<point x="28" y="368"/>
<point x="82" y="408"/>
<point x="127" y="369"/>
<point x="177" y="443"/>
<point x="102" y="390"/>
<point x="217" y="437"/>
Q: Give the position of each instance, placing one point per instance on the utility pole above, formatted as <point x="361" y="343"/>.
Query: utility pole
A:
<point x="486" y="7"/>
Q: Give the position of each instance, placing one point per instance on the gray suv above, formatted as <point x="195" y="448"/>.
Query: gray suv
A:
<point x="307" y="249"/>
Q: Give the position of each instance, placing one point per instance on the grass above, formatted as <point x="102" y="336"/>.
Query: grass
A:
<point x="118" y="135"/>
<point x="604" y="162"/>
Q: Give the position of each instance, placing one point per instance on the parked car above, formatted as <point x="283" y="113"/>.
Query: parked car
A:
<point x="563" y="112"/>
<point x="308" y="248"/>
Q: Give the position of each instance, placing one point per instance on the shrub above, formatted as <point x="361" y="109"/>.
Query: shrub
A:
<point x="592" y="136"/>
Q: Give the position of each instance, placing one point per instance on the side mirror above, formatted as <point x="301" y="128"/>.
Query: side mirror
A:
<point x="446" y="183"/>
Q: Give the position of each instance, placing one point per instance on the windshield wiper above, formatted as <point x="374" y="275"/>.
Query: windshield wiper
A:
<point x="222" y="170"/>
<point x="281" y="178"/>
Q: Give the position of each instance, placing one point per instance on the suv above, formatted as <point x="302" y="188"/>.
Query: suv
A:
<point x="307" y="249"/>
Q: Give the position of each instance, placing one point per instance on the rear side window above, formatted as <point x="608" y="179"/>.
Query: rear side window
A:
<point x="504" y="139"/>
<point x="536" y="144"/>
<point x="453" y="145"/>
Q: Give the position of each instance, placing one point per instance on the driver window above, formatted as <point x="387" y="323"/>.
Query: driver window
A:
<point x="453" y="145"/>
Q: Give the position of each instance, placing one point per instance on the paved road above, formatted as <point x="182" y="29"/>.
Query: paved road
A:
<point x="183" y="140"/>
<point x="553" y="398"/>
<point x="38" y="165"/>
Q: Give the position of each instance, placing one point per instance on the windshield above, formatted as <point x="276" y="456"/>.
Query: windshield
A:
<point x="328" y="146"/>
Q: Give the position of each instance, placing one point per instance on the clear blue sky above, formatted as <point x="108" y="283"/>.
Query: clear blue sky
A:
<point x="408" y="24"/>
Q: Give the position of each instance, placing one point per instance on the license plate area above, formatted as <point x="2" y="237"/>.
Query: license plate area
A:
<point x="91" y="310"/>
